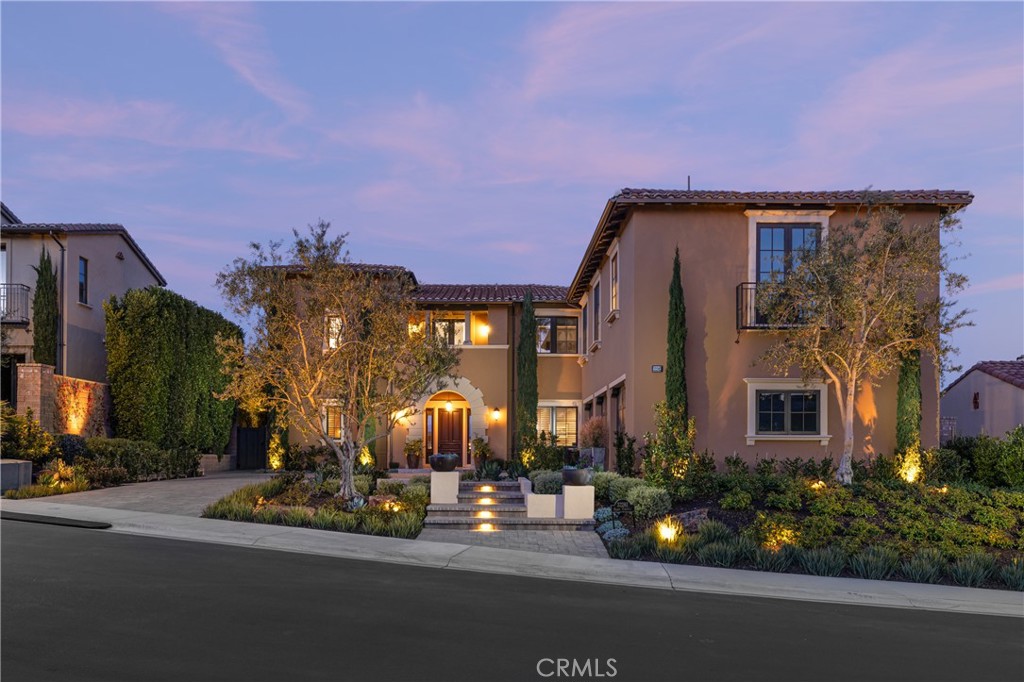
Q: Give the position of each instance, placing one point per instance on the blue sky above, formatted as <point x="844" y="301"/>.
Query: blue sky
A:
<point x="479" y="142"/>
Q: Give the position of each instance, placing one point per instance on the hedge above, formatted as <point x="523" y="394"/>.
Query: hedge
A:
<point x="164" y="369"/>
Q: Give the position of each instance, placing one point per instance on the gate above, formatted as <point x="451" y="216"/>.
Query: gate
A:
<point x="252" y="448"/>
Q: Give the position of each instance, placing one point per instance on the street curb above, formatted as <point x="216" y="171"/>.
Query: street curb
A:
<point x="52" y="520"/>
<point x="675" y="577"/>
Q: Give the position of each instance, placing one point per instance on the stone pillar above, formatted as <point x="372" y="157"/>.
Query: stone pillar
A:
<point x="36" y="390"/>
<point x="469" y="328"/>
<point x="444" y="487"/>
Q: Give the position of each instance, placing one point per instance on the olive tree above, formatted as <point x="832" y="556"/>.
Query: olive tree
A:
<point x="329" y="334"/>
<point x="868" y="297"/>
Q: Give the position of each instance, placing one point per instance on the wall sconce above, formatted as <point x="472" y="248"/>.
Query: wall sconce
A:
<point x="496" y="414"/>
<point x="484" y="330"/>
<point x="448" y="406"/>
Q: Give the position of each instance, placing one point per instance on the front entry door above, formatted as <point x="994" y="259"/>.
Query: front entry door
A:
<point x="449" y="431"/>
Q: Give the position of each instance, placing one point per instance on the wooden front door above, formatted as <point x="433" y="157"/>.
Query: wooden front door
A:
<point x="449" y="431"/>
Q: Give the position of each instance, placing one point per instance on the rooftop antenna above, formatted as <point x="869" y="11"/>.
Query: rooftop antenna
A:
<point x="687" y="183"/>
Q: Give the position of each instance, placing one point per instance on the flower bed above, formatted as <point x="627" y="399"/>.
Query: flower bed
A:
<point x="394" y="510"/>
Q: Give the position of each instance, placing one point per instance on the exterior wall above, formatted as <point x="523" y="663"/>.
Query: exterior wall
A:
<point x="84" y="324"/>
<point x="1000" y="405"/>
<point x="713" y="248"/>
<point x="36" y="393"/>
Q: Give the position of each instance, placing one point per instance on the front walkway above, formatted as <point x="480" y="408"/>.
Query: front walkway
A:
<point x="583" y="543"/>
<point x="179" y="496"/>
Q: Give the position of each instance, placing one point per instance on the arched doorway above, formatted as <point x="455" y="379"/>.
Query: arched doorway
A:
<point x="450" y="419"/>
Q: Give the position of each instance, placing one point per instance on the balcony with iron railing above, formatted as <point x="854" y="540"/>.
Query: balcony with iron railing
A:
<point x="748" y="316"/>
<point x="14" y="301"/>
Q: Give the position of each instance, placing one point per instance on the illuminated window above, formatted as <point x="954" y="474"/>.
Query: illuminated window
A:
<point x="451" y="330"/>
<point x="560" y="421"/>
<point x="332" y="331"/>
<point x="333" y="419"/>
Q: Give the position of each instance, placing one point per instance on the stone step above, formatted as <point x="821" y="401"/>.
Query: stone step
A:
<point x="473" y="510"/>
<point x="493" y="485"/>
<point x="499" y="496"/>
<point x="499" y="523"/>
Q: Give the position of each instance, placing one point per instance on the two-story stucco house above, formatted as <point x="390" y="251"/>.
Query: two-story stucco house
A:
<point x="728" y="242"/>
<point x="93" y="262"/>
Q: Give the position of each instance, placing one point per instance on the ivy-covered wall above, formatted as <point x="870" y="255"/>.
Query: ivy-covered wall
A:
<point x="163" y="369"/>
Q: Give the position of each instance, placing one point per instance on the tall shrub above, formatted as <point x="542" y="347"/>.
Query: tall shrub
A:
<point x="164" y="370"/>
<point x="908" y="403"/>
<point x="526" y="376"/>
<point x="675" y="362"/>
<point x="44" y="312"/>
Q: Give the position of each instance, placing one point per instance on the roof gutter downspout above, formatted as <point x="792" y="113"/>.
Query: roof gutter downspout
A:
<point x="60" y="308"/>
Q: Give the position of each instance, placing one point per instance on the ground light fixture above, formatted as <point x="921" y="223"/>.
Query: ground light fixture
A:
<point x="487" y="488"/>
<point x="486" y="528"/>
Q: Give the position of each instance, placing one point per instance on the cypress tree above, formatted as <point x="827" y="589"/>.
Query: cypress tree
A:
<point x="675" y="361"/>
<point x="908" y="402"/>
<point x="44" y="312"/>
<point x="526" y="375"/>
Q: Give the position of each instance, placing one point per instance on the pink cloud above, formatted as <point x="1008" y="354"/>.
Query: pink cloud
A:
<point x="231" y="27"/>
<point x="1014" y="282"/>
<point x="91" y="167"/>
<point x="46" y="115"/>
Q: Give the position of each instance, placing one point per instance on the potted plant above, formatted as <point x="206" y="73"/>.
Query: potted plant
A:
<point x="593" y="437"/>
<point x="444" y="461"/>
<point x="413" y="448"/>
<point x="576" y="470"/>
<point x="481" y="451"/>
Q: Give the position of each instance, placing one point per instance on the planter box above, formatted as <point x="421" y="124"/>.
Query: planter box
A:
<point x="14" y="474"/>
<point x="579" y="502"/>
<point x="444" y="487"/>
<point x="543" y="506"/>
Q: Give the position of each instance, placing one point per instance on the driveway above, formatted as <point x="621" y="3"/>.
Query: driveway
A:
<point x="180" y="496"/>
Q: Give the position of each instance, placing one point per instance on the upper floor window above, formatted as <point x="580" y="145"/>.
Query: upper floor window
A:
<point x="451" y="330"/>
<point x="332" y="331"/>
<point x="597" y="312"/>
<point x="782" y="246"/>
<point x="83" y="280"/>
<point x="557" y="335"/>
<point x="586" y="329"/>
<point x="614" y="300"/>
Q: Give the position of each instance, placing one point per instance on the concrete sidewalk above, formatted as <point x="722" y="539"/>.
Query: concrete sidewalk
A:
<point x="551" y="566"/>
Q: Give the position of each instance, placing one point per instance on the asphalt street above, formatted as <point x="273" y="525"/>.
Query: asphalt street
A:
<point x="84" y="604"/>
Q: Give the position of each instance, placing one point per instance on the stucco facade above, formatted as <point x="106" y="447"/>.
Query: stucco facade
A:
<point x="111" y="263"/>
<point x="987" y="399"/>
<point x="622" y="374"/>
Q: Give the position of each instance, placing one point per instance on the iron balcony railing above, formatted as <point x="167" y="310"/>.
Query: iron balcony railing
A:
<point x="747" y="314"/>
<point x="14" y="304"/>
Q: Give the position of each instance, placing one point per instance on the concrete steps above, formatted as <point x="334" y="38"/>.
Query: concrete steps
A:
<point x="489" y="506"/>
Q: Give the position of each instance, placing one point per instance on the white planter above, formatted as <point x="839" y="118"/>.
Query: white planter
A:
<point x="579" y="501"/>
<point x="444" y="487"/>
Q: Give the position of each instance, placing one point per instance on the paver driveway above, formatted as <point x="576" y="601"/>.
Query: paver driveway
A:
<point x="180" y="496"/>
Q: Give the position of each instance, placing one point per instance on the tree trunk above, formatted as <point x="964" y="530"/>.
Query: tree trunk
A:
<point x="845" y="473"/>
<point x="346" y="462"/>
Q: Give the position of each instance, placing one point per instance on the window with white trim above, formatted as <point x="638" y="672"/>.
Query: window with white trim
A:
<point x="614" y="303"/>
<point x="786" y="409"/>
<point x="332" y="331"/>
<point x="597" y="311"/>
<point x="560" y="421"/>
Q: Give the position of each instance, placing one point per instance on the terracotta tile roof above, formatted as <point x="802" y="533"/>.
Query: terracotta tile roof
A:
<point x="1010" y="371"/>
<point x="619" y="206"/>
<point x="896" y="196"/>
<point x="85" y="229"/>
<point x="488" y="293"/>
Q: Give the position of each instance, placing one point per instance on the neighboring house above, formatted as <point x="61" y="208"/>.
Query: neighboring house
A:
<point x="483" y="320"/>
<point x="986" y="399"/>
<point x="93" y="262"/>
<point x="728" y="241"/>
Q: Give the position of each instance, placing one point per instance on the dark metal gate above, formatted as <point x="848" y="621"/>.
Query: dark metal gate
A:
<point x="252" y="448"/>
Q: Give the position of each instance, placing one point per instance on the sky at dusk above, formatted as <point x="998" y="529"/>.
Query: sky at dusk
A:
<point x="477" y="142"/>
